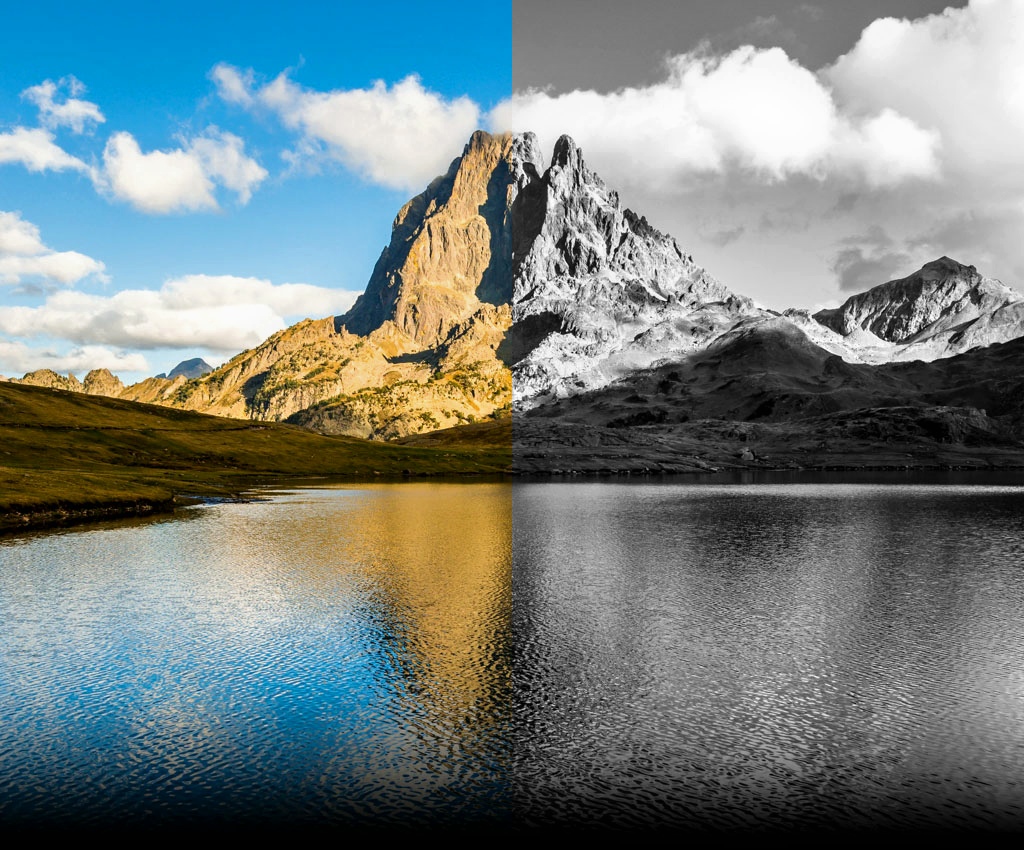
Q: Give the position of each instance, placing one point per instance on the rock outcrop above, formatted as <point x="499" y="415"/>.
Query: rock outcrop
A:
<point x="102" y="382"/>
<point x="51" y="380"/>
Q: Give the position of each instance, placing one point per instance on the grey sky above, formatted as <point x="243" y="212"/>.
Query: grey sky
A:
<point x="607" y="44"/>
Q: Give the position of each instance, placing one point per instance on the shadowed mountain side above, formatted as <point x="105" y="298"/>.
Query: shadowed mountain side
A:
<point x="68" y="455"/>
<point x="765" y="385"/>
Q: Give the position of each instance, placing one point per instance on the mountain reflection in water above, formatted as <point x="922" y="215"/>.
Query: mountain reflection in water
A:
<point x="710" y="656"/>
<point x="819" y="656"/>
<point x="330" y="656"/>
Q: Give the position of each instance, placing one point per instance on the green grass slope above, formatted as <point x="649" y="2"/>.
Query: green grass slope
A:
<point x="67" y="455"/>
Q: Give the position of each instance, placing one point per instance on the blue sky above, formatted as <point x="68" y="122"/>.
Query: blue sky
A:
<point x="259" y="187"/>
<point x="184" y="179"/>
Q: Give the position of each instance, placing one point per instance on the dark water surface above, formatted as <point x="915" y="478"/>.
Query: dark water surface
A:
<point x="810" y="656"/>
<point x="787" y="655"/>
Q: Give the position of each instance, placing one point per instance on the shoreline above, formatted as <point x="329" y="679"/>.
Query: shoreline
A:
<point x="27" y="518"/>
<point x="66" y="514"/>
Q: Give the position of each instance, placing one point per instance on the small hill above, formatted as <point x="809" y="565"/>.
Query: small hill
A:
<point x="495" y="434"/>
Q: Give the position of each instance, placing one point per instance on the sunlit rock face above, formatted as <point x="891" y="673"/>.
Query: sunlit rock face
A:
<point x="450" y="249"/>
<point x="51" y="380"/>
<point x="102" y="382"/>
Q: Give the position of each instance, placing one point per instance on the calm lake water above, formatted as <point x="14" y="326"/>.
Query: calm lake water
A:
<point x="692" y="654"/>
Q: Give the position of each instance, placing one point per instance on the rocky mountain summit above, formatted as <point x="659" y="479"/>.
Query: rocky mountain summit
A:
<point x="196" y="367"/>
<point x="598" y="292"/>
<point x="942" y="309"/>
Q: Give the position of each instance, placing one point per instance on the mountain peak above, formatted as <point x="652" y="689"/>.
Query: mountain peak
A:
<point x="566" y="154"/>
<point x="596" y="289"/>
<point x="450" y="246"/>
<point x="940" y="296"/>
<point x="945" y="267"/>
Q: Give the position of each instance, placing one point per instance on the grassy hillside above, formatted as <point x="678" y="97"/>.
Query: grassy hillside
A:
<point x="494" y="434"/>
<point x="66" y="454"/>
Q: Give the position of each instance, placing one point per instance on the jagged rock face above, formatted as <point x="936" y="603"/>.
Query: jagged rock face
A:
<point x="945" y="303"/>
<point x="450" y="250"/>
<point x="597" y="291"/>
<point x="51" y="380"/>
<point x="102" y="382"/>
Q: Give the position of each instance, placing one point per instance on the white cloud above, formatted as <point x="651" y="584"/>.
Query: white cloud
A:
<point x="35" y="149"/>
<point x="17" y="359"/>
<point x="71" y="112"/>
<point x="222" y="313"/>
<point x="960" y="72"/>
<point x="400" y="136"/>
<point x="752" y="111"/>
<point x="24" y="257"/>
<point x="234" y="85"/>
<point x="180" y="179"/>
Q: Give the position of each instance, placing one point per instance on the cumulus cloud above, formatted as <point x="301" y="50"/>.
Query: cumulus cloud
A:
<point x="400" y="136"/>
<point x="221" y="313"/>
<point x="24" y="258"/>
<point x="35" y="149"/>
<point x="754" y="111"/>
<point x="181" y="179"/>
<point x="17" y="359"/>
<point x="70" y="111"/>
<point x="960" y="72"/>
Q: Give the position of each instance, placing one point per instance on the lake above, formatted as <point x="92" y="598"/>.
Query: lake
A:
<point x="794" y="654"/>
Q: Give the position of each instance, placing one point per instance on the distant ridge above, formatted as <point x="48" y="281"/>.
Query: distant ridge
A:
<point x="194" y="368"/>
